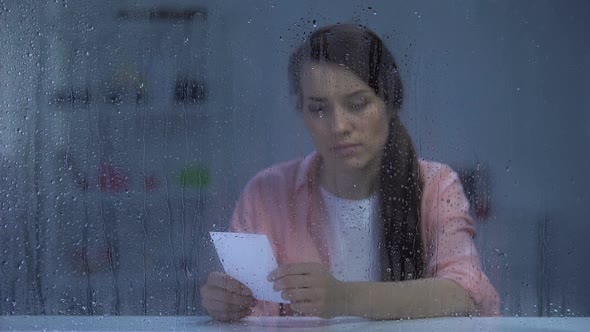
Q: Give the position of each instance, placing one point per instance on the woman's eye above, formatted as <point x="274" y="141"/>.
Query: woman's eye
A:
<point x="358" y="104"/>
<point x="317" y="110"/>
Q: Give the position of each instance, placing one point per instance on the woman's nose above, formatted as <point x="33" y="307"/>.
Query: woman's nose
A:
<point x="341" y="122"/>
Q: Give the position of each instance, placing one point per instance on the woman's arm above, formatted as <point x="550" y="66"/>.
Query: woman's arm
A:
<point x="448" y="231"/>
<point x="421" y="298"/>
<point x="313" y="291"/>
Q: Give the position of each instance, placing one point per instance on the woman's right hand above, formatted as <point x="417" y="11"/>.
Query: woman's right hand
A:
<point x="225" y="298"/>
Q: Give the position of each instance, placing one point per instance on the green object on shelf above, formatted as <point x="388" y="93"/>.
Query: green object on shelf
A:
<point x="195" y="177"/>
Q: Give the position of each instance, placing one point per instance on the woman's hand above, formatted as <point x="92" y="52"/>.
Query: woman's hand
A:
<point x="225" y="298"/>
<point x="312" y="290"/>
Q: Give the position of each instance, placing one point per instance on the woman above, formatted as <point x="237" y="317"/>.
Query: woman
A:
<point x="361" y="227"/>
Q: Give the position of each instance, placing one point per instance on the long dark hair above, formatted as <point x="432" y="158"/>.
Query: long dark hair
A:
<point x="363" y="52"/>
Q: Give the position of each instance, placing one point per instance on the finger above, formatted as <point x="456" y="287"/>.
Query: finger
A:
<point x="297" y="268"/>
<point x="218" y="306"/>
<point x="229" y="317"/>
<point x="295" y="281"/>
<point x="224" y="281"/>
<point x="221" y="295"/>
<point x="301" y="295"/>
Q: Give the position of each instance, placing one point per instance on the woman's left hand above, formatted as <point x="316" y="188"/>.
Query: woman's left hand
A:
<point x="312" y="290"/>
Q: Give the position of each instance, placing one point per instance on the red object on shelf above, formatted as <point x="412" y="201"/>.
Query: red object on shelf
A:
<point x="151" y="182"/>
<point x="482" y="208"/>
<point x="113" y="179"/>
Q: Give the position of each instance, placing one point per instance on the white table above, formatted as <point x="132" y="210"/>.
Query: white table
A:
<point x="284" y="324"/>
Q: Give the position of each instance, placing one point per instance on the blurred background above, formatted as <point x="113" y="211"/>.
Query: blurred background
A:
<point x="129" y="128"/>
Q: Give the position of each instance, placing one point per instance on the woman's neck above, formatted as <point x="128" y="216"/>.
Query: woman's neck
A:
<point x="354" y="184"/>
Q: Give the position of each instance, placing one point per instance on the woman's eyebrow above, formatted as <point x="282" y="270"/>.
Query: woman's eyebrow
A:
<point x="353" y="94"/>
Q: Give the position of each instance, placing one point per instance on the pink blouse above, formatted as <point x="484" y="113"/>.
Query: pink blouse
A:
<point x="284" y="203"/>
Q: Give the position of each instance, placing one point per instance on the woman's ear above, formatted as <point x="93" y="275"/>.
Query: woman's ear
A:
<point x="391" y="113"/>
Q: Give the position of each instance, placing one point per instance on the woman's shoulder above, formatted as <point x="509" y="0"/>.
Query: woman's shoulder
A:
<point x="436" y="174"/>
<point x="283" y="176"/>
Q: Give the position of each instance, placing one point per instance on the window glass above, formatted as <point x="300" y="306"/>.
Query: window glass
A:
<point x="131" y="130"/>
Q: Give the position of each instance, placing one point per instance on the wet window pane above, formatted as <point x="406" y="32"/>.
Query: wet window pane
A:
<point x="432" y="141"/>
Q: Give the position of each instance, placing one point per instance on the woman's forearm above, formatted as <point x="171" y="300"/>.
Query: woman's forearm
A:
<point x="408" y="299"/>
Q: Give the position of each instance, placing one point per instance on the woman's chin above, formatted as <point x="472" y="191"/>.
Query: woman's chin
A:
<point x="347" y="163"/>
<point x="351" y="164"/>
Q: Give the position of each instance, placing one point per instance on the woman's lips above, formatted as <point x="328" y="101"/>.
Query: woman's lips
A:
<point x="345" y="149"/>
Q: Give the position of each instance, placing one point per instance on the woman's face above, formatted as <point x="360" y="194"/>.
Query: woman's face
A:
<point x="347" y="120"/>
